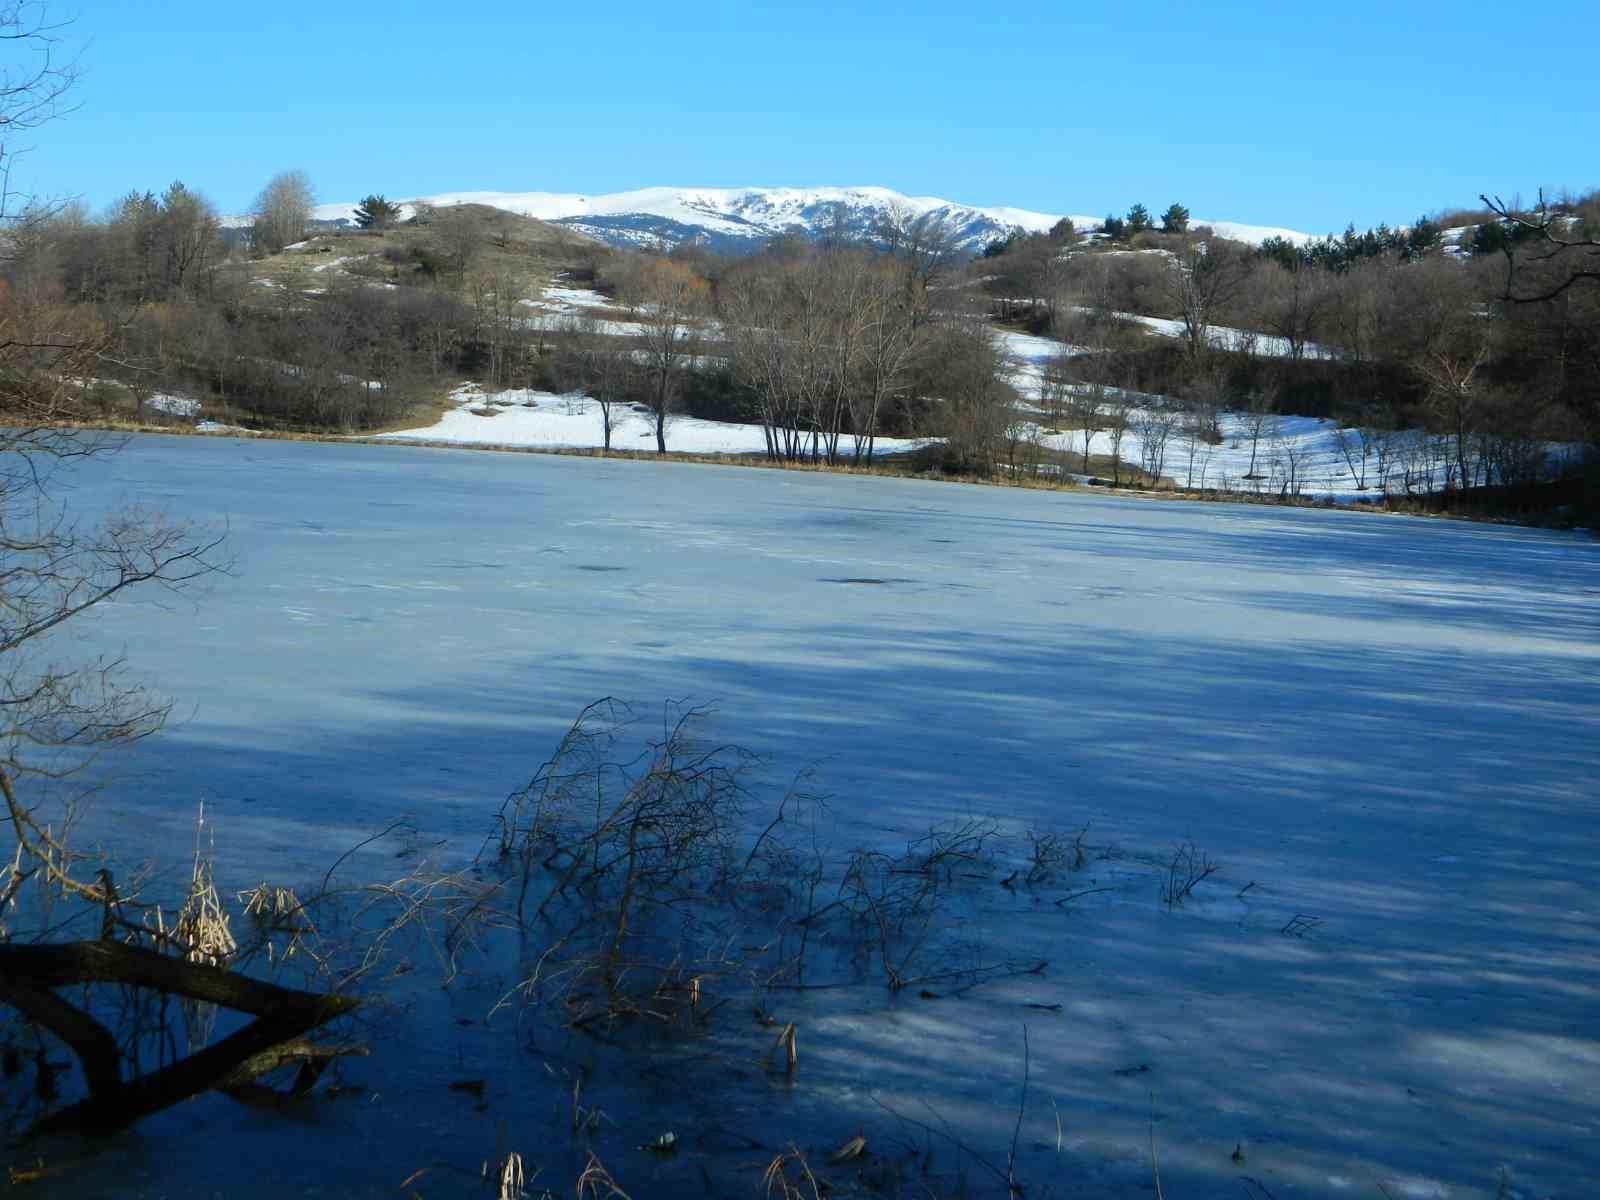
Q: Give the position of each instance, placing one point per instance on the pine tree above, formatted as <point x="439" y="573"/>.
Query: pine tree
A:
<point x="1175" y="220"/>
<point x="1283" y="252"/>
<point x="1139" y="220"/>
<point x="377" y="213"/>
<point x="1425" y="235"/>
<point x="1114" y="228"/>
<point x="1063" y="232"/>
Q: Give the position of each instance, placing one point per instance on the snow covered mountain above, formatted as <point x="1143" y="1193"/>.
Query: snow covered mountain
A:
<point x="743" y="218"/>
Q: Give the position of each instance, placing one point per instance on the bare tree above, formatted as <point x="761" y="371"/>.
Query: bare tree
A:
<point x="191" y="238"/>
<point x="890" y="340"/>
<point x="32" y="92"/>
<point x="501" y="322"/>
<point x="977" y="403"/>
<point x="1438" y="326"/>
<point x="602" y="369"/>
<point x="1356" y="449"/>
<point x="1290" y="302"/>
<point x="753" y="314"/>
<point x="668" y="302"/>
<point x="1353" y="309"/>
<point x="1260" y="421"/>
<point x="1055" y="389"/>
<point x="1039" y="265"/>
<point x="1289" y="460"/>
<point x="925" y="242"/>
<point x="1201" y="278"/>
<point x="1086" y="409"/>
<point x="1577" y="258"/>
<point x="459" y="234"/>
<point x="1118" y="417"/>
<point x="1154" y="423"/>
<point x="282" y="211"/>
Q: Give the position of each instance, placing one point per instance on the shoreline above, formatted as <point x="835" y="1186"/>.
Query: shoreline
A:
<point x="1377" y="506"/>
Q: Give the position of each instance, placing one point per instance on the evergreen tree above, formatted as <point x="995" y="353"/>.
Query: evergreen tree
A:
<point x="377" y="213"/>
<point x="1283" y="252"/>
<point x="1139" y="220"/>
<point x="1115" y="228"/>
<point x="1425" y="235"/>
<point x="1175" y="220"/>
<point x="1492" y="237"/>
<point x="1063" y="232"/>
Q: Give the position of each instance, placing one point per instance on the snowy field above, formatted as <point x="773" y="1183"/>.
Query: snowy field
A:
<point x="1305" y="456"/>
<point x="1388" y="725"/>
<point x="1227" y="337"/>
<point x="544" y="420"/>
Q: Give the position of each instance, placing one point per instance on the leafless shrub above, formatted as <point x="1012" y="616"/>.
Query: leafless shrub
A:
<point x="895" y="898"/>
<point x="1188" y="867"/>
<point x="1050" y="851"/>
<point x="635" y="858"/>
<point x="1300" y="924"/>
<point x="1079" y="857"/>
<point x="1046" y="855"/>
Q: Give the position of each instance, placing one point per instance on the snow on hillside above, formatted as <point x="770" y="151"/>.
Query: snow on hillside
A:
<point x="1286" y="455"/>
<point x="740" y="217"/>
<point x="1227" y="337"/>
<point x="1301" y="455"/>
<point x="1254" y="235"/>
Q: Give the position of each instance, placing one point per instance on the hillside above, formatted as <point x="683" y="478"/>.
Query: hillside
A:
<point x="467" y="238"/>
<point x="743" y="218"/>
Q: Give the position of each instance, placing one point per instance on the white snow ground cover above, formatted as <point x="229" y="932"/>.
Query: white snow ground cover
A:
<point x="165" y="402"/>
<point x="1228" y="337"/>
<point x="560" y="298"/>
<point x="1386" y="724"/>
<point x="1299" y="456"/>
<point x="1303" y="456"/>
<point x="176" y="406"/>
<point x="545" y="420"/>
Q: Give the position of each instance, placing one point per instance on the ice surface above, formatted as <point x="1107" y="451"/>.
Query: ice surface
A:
<point x="1390" y="724"/>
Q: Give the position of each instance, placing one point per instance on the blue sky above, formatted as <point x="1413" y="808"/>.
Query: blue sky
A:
<point x="1306" y="117"/>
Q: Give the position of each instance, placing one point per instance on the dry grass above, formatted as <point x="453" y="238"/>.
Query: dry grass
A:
<point x="507" y="248"/>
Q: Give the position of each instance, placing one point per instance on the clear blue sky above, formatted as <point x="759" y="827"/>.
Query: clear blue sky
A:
<point x="1297" y="115"/>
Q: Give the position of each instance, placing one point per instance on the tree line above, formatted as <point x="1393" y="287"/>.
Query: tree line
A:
<point x="1384" y="330"/>
<point x="830" y="345"/>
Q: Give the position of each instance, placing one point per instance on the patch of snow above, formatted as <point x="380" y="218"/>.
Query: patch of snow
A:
<point x="571" y="299"/>
<point x="1227" y="337"/>
<point x="1301" y="456"/>
<point x="548" y="420"/>
<point x="177" y="406"/>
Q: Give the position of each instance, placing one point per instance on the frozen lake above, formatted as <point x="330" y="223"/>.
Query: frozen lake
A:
<point x="1388" y="724"/>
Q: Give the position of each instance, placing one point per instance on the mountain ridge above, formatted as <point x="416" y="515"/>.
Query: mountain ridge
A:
<point x="742" y="218"/>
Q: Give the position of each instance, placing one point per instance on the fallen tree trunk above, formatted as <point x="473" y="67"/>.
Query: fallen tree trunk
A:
<point x="28" y="973"/>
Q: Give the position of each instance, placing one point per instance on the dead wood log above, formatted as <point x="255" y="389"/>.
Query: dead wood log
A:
<point x="28" y="973"/>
